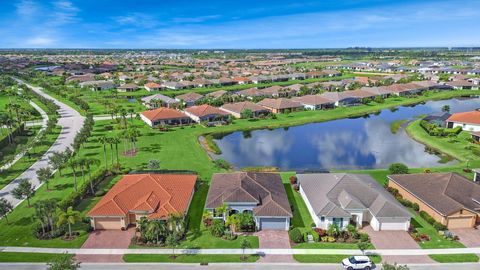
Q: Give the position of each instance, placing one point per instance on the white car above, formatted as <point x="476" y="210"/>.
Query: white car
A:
<point x="357" y="262"/>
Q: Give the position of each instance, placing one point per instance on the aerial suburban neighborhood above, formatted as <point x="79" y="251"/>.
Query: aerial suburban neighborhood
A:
<point x="182" y="135"/>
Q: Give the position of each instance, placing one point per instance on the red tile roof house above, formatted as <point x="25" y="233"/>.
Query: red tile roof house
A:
<point x="236" y="109"/>
<point x="151" y="86"/>
<point x="469" y="121"/>
<point x="261" y="194"/>
<point x="154" y="196"/>
<point x="280" y="105"/>
<point x="189" y="99"/>
<point x="242" y="80"/>
<point x="206" y="113"/>
<point x="165" y="116"/>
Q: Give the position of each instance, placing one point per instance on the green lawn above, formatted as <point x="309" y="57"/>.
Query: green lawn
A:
<point x="26" y="161"/>
<point x="329" y="258"/>
<point x="301" y="216"/>
<point x="325" y="245"/>
<point x="455" y="258"/>
<point x="6" y="99"/>
<point x="144" y="258"/>
<point x="27" y="257"/>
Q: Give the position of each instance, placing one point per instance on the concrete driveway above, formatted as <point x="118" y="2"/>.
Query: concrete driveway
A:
<point x="396" y="240"/>
<point x="469" y="236"/>
<point x="274" y="239"/>
<point x="106" y="239"/>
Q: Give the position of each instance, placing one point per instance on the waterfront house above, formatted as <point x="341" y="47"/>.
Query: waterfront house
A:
<point x="236" y="109"/>
<point x="469" y="121"/>
<point x="314" y="102"/>
<point x="164" y="116"/>
<point x="280" y="105"/>
<point x="206" y="113"/>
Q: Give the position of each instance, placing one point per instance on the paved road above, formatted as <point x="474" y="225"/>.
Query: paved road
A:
<point x="71" y="122"/>
<point x="43" y="125"/>
<point x="229" y="266"/>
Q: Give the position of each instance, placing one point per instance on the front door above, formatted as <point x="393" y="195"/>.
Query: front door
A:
<point x="132" y="218"/>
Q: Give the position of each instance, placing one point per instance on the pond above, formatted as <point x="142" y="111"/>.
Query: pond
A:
<point x="354" y="143"/>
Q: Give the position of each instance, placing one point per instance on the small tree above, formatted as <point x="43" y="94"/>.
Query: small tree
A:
<point x="44" y="175"/>
<point x="446" y="108"/>
<point x="172" y="241"/>
<point x="362" y="246"/>
<point x="5" y="208"/>
<point x="153" y="164"/>
<point x="244" y="245"/>
<point x="24" y="190"/>
<point x="387" y="266"/>
<point x="69" y="217"/>
<point x="246" y="114"/>
<point x="63" y="262"/>
<point x="398" y="168"/>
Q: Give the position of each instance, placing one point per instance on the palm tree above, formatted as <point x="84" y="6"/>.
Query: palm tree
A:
<point x="116" y="141"/>
<point x="69" y="217"/>
<point x="72" y="163"/>
<point x="88" y="163"/>
<point x="44" y="175"/>
<point x="104" y="140"/>
<point x="155" y="229"/>
<point x="110" y="141"/>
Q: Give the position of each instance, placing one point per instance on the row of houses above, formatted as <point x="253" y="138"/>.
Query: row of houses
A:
<point x="331" y="198"/>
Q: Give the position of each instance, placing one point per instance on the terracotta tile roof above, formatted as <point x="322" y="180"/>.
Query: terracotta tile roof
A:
<point x="163" y="113"/>
<point x="189" y="97"/>
<point x="241" y="106"/>
<point x="152" y="85"/>
<point x="156" y="194"/>
<point x="472" y="117"/>
<point x="204" y="110"/>
<point x="266" y="190"/>
<point x="280" y="103"/>
<point x="446" y="193"/>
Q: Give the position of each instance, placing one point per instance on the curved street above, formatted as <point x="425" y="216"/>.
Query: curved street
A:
<point x="71" y="122"/>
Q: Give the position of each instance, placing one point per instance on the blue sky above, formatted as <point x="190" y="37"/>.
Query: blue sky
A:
<point x="237" y="24"/>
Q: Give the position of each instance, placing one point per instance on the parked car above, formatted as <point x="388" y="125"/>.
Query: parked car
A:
<point x="357" y="262"/>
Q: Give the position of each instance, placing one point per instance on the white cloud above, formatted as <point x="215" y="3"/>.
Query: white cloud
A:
<point x="40" y="41"/>
<point x="26" y="8"/>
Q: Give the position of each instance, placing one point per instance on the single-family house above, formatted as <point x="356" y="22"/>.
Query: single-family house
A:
<point x="128" y="87"/>
<point x="206" y="113"/>
<point x="189" y="99"/>
<point x="280" y="105"/>
<point x="165" y="116"/>
<point x="438" y="119"/>
<point x="341" y="98"/>
<point x="151" y="86"/>
<point x="159" y="100"/>
<point x="449" y="198"/>
<point x="462" y="84"/>
<point x="154" y="196"/>
<point x="469" y="121"/>
<point x="98" y="85"/>
<point x="314" y="102"/>
<point x="476" y="136"/>
<point x="217" y="94"/>
<point x="343" y="199"/>
<point x="261" y="194"/>
<point x="236" y="109"/>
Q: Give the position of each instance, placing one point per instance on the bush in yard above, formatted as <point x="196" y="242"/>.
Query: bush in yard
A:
<point x="427" y="217"/>
<point x="218" y="228"/>
<point x="398" y="168"/>
<point x="296" y="235"/>
<point x="293" y="179"/>
<point x="439" y="226"/>
<point x="364" y="237"/>
<point x="415" y="207"/>
<point x="321" y="232"/>
<point x="405" y="203"/>
<point x="387" y="266"/>
<point x="316" y="237"/>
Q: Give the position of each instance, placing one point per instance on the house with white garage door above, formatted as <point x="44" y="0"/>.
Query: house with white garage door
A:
<point x="342" y="199"/>
<point x="261" y="194"/>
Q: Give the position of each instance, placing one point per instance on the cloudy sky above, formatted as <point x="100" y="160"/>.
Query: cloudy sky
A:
<point x="237" y="24"/>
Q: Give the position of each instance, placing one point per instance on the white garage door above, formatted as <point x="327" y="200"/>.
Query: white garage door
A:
<point x="393" y="226"/>
<point x="273" y="224"/>
<point x="107" y="224"/>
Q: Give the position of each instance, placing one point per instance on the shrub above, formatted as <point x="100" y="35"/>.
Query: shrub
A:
<point x="293" y="179"/>
<point x="364" y="237"/>
<point x="439" y="226"/>
<point x="315" y="236"/>
<point x="398" y="168"/>
<point x="220" y="163"/>
<point x="415" y="206"/>
<point x="427" y="217"/>
<point x="405" y="203"/>
<point x="296" y="235"/>
<point x="99" y="193"/>
<point x="321" y="232"/>
<point x="218" y="228"/>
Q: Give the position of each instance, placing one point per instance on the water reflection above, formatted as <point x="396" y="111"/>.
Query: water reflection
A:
<point x="364" y="142"/>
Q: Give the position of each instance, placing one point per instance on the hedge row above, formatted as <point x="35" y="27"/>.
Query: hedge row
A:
<point x="434" y="130"/>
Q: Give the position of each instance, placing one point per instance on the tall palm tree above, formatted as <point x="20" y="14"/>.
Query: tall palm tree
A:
<point x="104" y="140"/>
<point x="88" y="164"/>
<point x="116" y="141"/>
<point x="72" y="163"/>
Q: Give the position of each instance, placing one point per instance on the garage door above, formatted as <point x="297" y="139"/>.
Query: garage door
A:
<point x="393" y="226"/>
<point x="460" y="222"/>
<point x="272" y="223"/>
<point x="107" y="224"/>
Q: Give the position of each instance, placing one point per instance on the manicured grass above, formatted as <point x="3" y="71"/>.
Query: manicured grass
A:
<point x="19" y="143"/>
<point x="27" y="160"/>
<point x="437" y="241"/>
<point x="455" y="258"/>
<point x="27" y="257"/>
<point x="301" y="216"/>
<point x="5" y="100"/>
<point x="144" y="258"/>
<point x="325" y="245"/>
<point x="329" y="258"/>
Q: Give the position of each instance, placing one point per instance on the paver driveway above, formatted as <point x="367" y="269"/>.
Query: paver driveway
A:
<point x="107" y="239"/>
<point x="469" y="237"/>
<point x="396" y="240"/>
<point x="274" y="239"/>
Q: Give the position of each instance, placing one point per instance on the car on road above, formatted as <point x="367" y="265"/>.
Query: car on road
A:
<point x="357" y="262"/>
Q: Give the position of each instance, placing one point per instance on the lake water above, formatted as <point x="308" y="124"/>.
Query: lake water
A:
<point x="360" y="143"/>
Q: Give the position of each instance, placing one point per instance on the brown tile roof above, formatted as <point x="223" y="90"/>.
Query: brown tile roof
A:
<point x="152" y="85"/>
<point x="157" y="194"/>
<point x="264" y="189"/>
<point x="312" y="100"/>
<point x="239" y="107"/>
<point x="204" y="110"/>
<point x="279" y="103"/>
<point x="189" y="97"/>
<point x="472" y="117"/>
<point x="446" y="193"/>
<point x="163" y="113"/>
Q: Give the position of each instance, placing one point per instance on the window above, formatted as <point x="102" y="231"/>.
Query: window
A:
<point x="322" y="219"/>
<point x="338" y="222"/>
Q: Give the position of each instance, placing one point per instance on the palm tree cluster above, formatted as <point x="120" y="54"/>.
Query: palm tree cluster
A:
<point x="84" y="133"/>
<point x="53" y="221"/>
<point x="156" y="232"/>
